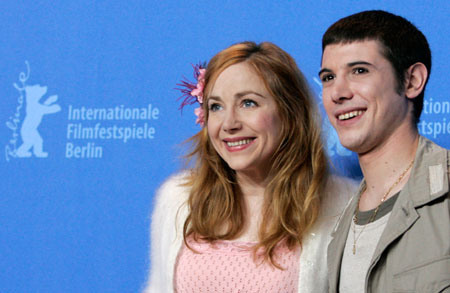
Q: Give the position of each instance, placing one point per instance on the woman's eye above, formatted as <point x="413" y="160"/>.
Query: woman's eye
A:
<point x="248" y="103"/>
<point x="214" y="107"/>
<point x="360" y="70"/>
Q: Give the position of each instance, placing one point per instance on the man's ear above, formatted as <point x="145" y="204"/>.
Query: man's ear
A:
<point x="416" y="77"/>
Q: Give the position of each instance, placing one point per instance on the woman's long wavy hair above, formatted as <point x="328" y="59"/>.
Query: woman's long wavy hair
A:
<point x="299" y="165"/>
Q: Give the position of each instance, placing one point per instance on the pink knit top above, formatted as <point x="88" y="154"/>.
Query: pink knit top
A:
<point x="228" y="266"/>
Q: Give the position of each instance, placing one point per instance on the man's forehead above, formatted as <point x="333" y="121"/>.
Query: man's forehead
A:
<point x="353" y="50"/>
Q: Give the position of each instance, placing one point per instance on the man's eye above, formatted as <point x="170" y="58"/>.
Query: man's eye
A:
<point x="214" y="107"/>
<point x="248" y="103"/>
<point x="360" y="70"/>
<point x="327" y="77"/>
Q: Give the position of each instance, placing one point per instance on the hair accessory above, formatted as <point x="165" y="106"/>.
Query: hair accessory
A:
<point x="192" y="92"/>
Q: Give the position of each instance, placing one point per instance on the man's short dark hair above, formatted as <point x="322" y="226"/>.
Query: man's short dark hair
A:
<point x="403" y="44"/>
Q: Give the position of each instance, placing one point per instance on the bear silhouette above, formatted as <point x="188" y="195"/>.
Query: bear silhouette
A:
<point x="34" y="111"/>
<point x="334" y="146"/>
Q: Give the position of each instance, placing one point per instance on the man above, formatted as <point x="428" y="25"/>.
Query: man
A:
<point x="394" y="236"/>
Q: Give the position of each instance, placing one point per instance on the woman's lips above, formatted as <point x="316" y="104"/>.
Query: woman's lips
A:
<point x="238" y="144"/>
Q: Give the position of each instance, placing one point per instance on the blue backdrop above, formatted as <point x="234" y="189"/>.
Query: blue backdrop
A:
<point x="89" y="85"/>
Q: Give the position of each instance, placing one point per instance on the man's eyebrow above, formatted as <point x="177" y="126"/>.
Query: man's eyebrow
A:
<point x="324" y="70"/>
<point x="351" y="64"/>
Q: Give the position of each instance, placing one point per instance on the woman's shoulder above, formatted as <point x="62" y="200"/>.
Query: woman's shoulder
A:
<point x="175" y="183"/>
<point x="173" y="192"/>
<point x="338" y="192"/>
<point x="341" y="183"/>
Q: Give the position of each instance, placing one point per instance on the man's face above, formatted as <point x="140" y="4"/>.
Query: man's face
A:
<point x="360" y="97"/>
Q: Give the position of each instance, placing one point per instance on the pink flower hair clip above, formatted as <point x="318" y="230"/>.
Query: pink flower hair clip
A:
<point x="192" y="92"/>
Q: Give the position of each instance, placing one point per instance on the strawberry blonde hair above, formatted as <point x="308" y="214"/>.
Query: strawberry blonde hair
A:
<point x="299" y="164"/>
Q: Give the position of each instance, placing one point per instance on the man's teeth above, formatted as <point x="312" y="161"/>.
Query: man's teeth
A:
<point x="237" y="143"/>
<point x="349" y="115"/>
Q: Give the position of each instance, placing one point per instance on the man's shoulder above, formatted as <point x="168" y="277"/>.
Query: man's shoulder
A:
<point x="431" y="154"/>
<point x="429" y="148"/>
<point x="430" y="178"/>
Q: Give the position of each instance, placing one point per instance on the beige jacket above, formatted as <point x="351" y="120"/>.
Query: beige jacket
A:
<point x="413" y="253"/>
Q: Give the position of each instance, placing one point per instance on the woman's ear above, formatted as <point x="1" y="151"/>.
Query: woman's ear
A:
<point x="416" y="77"/>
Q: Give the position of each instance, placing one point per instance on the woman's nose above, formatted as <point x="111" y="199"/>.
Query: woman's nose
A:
<point x="231" y="121"/>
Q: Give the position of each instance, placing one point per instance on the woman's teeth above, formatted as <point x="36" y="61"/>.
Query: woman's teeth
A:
<point x="237" y="143"/>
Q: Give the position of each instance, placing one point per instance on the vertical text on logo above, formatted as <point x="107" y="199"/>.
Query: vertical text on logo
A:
<point x="34" y="111"/>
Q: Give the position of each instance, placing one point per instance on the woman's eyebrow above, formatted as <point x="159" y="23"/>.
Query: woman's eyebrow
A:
<point x="214" y="98"/>
<point x="237" y="95"/>
<point x="244" y="93"/>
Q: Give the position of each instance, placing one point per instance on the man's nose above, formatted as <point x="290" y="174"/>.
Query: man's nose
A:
<point x="340" y="90"/>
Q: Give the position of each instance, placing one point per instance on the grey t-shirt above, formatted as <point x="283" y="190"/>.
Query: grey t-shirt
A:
<point x="361" y="242"/>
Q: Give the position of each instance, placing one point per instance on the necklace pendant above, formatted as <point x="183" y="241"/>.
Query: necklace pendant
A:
<point x="354" y="248"/>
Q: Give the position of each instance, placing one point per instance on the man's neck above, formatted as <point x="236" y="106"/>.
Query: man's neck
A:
<point x="384" y="165"/>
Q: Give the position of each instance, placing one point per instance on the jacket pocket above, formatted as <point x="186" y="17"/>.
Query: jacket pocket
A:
<point x="430" y="276"/>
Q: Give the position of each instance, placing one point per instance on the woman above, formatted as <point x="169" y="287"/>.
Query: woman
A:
<point x="255" y="212"/>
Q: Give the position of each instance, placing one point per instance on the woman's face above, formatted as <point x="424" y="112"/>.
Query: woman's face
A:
<point x="243" y="124"/>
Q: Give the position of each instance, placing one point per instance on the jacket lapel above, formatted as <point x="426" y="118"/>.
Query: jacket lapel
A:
<point x="337" y="245"/>
<point x="403" y="215"/>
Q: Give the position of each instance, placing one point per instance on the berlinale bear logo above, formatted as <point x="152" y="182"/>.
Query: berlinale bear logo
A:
<point x="32" y="142"/>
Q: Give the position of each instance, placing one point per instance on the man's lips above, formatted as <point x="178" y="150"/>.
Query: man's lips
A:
<point x="346" y="115"/>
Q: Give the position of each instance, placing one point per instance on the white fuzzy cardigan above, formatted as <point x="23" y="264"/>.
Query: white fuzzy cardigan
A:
<point x="171" y="211"/>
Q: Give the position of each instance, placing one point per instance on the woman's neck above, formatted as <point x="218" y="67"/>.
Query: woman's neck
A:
<point x="252" y="190"/>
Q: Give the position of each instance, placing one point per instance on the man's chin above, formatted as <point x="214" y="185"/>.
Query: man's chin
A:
<point x="352" y="144"/>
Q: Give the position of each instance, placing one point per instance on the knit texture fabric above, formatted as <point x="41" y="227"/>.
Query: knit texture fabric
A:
<point x="229" y="266"/>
